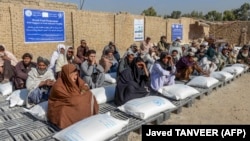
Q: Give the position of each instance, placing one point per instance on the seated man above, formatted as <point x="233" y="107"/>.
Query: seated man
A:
<point x="163" y="72"/>
<point x="243" y="56"/>
<point x="223" y="58"/>
<point x="70" y="99"/>
<point x="162" y="45"/>
<point x="145" y="46"/>
<point x="22" y="69"/>
<point x="108" y="62"/>
<point x="7" y="63"/>
<point x="150" y="57"/>
<point x="66" y="58"/>
<point x="174" y="56"/>
<point x="134" y="49"/>
<point x="202" y="60"/>
<point x="82" y="51"/>
<point x="39" y="82"/>
<point x="93" y="73"/>
<point x="185" y="67"/>
<point x="112" y="46"/>
<point x="177" y="42"/>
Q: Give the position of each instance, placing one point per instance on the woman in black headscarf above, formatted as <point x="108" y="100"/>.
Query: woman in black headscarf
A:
<point x="132" y="83"/>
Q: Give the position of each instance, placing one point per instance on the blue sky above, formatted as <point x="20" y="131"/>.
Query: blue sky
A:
<point x="162" y="7"/>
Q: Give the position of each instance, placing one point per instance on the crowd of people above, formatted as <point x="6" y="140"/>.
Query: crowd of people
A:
<point x="66" y="79"/>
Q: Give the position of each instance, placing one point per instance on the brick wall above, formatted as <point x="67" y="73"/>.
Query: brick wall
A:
<point x="155" y="27"/>
<point x="97" y="28"/>
<point x="5" y="27"/>
<point x="124" y="30"/>
<point x="231" y="31"/>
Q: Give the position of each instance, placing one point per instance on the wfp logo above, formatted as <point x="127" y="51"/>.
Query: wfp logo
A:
<point x="158" y="102"/>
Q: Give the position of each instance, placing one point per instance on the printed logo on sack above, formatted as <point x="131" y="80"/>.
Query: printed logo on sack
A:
<point x="158" y="102"/>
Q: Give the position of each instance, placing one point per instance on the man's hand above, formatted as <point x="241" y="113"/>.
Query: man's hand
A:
<point x="170" y="60"/>
<point x="142" y="64"/>
<point x="5" y="57"/>
<point x="49" y="82"/>
<point x="205" y="74"/>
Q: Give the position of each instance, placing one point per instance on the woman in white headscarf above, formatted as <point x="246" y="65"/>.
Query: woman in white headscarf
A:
<point x="55" y="55"/>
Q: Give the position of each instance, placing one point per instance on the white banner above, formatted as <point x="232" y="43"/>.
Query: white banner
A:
<point x="138" y="29"/>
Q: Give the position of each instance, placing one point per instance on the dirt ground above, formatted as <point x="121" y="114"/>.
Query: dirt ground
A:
<point x="227" y="105"/>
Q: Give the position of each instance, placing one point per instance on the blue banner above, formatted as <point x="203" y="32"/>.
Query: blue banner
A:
<point x="177" y="31"/>
<point x="43" y="26"/>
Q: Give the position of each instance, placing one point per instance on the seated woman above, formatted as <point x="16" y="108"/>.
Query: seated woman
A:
<point x="132" y="82"/>
<point x="70" y="99"/>
<point x="163" y="72"/>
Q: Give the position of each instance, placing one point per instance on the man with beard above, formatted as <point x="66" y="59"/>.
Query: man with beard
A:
<point x="39" y="82"/>
<point x="82" y="51"/>
<point x="108" y="62"/>
<point x="203" y="61"/>
<point x="162" y="45"/>
<point x="66" y="58"/>
<point x="223" y="58"/>
<point x="134" y="49"/>
<point x="22" y="69"/>
<point x="174" y="56"/>
<point x="112" y="46"/>
<point x="244" y="55"/>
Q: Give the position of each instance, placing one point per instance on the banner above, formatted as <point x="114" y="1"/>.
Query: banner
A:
<point x="43" y="26"/>
<point x="138" y="29"/>
<point x="177" y="31"/>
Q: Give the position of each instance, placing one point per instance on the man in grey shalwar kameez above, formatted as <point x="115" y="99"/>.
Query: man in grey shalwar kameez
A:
<point x="92" y="72"/>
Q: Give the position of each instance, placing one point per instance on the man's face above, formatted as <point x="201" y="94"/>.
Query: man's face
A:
<point x="245" y="50"/>
<point x="135" y="49"/>
<point x="224" y="51"/>
<point x="174" y="54"/>
<point x="26" y="60"/>
<point x="91" y="57"/>
<point x="164" y="40"/>
<point x="83" y="43"/>
<point x="110" y="54"/>
<point x="148" y="40"/>
<point x="70" y="53"/>
<point x="42" y="66"/>
<point x="191" y="58"/>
